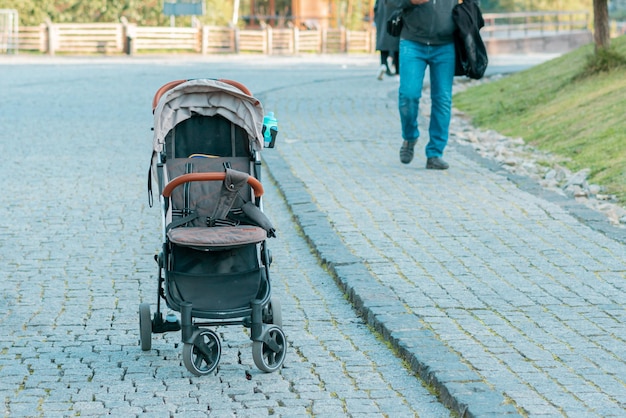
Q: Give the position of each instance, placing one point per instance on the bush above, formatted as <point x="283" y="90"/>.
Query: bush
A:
<point x="602" y="61"/>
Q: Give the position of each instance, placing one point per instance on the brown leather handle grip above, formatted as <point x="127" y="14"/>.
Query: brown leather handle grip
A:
<point x="236" y="84"/>
<point x="211" y="176"/>
<point x="161" y="91"/>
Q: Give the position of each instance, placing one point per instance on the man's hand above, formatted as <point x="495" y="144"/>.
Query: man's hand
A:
<point x="416" y="2"/>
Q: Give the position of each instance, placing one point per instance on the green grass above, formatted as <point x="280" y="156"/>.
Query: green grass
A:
<point x="573" y="106"/>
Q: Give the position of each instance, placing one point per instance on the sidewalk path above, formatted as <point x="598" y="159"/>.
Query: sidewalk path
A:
<point x="502" y="299"/>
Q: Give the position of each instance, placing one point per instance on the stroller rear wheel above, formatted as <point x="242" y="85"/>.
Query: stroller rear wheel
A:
<point x="269" y="354"/>
<point x="145" y="327"/>
<point x="202" y="356"/>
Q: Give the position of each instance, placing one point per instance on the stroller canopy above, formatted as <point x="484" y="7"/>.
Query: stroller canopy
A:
<point x="207" y="97"/>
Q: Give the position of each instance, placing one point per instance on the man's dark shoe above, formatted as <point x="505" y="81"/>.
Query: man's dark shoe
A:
<point x="436" y="163"/>
<point x="406" y="151"/>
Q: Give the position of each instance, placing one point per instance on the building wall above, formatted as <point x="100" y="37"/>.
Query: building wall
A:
<point x="312" y="13"/>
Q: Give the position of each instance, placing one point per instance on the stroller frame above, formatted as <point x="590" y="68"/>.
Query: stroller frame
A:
<point x="204" y="297"/>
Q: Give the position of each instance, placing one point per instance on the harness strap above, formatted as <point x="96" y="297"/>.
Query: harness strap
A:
<point x="233" y="182"/>
<point x="181" y="221"/>
<point x="150" y="197"/>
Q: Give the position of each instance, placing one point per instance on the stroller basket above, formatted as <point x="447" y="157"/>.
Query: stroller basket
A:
<point x="215" y="281"/>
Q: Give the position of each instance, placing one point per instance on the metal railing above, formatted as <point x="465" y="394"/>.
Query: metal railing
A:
<point x="9" y="33"/>
<point x="527" y="24"/>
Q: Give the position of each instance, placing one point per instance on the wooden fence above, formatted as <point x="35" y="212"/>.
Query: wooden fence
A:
<point x="118" y="38"/>
<point x="114" y="38"/>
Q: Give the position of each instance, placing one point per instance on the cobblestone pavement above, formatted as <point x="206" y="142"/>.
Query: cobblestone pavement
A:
<point x="501" y="299"/>
<point x="76" y="252"/>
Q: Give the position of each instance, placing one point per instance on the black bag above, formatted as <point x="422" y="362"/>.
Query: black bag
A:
<point x="471" y="53"/>
<point x="394" y="23"/>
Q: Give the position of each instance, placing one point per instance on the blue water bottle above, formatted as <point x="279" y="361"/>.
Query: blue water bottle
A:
<point x="270" y="130"/>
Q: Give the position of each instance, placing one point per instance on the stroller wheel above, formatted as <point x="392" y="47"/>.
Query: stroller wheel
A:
<point x="272" y="314"/>
<point x="269" y="354"/>
<point x="202" y="357"/>
<point x="145" y="327"/>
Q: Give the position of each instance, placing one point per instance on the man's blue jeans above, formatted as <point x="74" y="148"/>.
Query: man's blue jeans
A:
<point x="414" y="58"/>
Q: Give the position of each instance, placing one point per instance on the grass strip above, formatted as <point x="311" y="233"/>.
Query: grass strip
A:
<point x="572" y="106"/>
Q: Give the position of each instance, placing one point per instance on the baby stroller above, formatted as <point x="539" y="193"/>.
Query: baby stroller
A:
<point x="213" y="267"/>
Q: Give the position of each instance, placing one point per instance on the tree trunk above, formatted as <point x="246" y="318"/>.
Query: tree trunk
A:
<point x="601" y="31"/>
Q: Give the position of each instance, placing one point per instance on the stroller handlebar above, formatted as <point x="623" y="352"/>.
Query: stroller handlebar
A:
<point x="166" y="87"/>
<point x="211" y="176"/>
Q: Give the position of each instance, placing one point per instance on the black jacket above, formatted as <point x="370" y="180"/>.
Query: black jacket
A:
<point x="429" y="23"/>
<point x="471" y="54"/>
<point x="384" y="41"/>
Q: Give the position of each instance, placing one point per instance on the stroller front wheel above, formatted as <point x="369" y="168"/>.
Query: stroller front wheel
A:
<point x="272" y="314"/>
<point x="269" y="354"/>
<point x="202" y="356"/>
<point x="145" y="327"/>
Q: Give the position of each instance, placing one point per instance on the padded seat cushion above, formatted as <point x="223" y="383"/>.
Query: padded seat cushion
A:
<point x="219" y="237"/>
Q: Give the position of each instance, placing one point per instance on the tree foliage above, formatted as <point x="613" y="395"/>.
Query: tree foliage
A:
<point x="219" y="12"/>
<point x="142" y="12"/>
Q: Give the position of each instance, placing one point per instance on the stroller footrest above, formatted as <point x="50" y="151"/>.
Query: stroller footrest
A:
<point x="218" y="238"/>
<point x="165" y="327"/>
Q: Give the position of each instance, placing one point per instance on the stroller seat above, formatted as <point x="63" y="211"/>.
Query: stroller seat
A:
<point x="193" y="232"/>
<point x="217" y="238"/>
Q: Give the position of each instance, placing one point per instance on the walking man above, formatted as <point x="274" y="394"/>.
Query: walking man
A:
<point x="426" y="41"/>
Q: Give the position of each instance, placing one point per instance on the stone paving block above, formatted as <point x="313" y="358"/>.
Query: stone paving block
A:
<point x="289" y="412"/>
<point x="479" y="400"/>
<point x="360" y="406"/>
<point x="124" y="411"/>
<point x="52" y="408"/>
